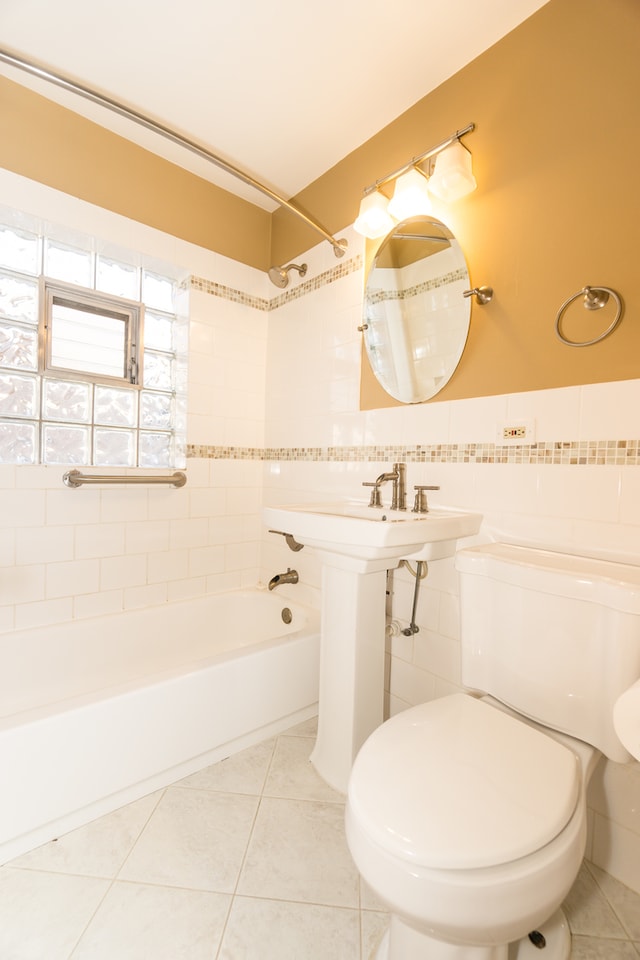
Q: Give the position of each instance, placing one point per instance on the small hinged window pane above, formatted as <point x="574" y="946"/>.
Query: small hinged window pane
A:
<point x="92" y="335"/>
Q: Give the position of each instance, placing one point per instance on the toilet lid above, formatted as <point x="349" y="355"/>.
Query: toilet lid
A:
<point x="456" y="783"/>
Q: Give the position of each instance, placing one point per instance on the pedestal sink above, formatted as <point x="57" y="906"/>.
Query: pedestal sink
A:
<point x="357" y="544"/>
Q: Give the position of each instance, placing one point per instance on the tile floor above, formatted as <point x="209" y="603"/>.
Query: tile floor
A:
<point x="245" y="860"/>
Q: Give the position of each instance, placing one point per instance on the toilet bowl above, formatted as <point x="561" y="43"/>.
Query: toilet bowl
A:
<point x="470" y="825"/>
<point x="466" y="815"/>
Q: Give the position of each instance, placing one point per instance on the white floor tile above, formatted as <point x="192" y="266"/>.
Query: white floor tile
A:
<point x="590" y="948"/>
<point x="298" y="852"/>
<point x="373" y="928"/>
<point x="137" y="922"/>
<point x="280" y="930"/>
<point x="298" y="894"/>
<point x="244" y="772"/>
<point x="194" y="839"/>
<point x="624" y="901"/>
<point x="98" y="849"/>
<point x="291" y="774"/>
<point x="308" y="728"/>
<point x="588" y="911"/>
<point x="42" y="915"/>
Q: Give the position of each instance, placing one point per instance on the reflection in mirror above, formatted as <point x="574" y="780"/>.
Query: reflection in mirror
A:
<point x="416" y="319"/>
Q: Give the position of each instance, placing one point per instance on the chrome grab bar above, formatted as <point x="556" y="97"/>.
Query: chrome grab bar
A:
<point x="73" y="478"/>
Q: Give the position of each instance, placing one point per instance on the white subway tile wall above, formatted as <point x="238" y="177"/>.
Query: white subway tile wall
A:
<point x="273" y="417"/>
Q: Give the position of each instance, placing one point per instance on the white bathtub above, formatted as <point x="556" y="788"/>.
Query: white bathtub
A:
<point x="96" y="713"/>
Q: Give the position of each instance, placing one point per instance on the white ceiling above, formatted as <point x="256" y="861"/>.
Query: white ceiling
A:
<point x="281" y="89"/>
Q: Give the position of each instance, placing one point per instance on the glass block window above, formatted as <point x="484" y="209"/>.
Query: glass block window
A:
<point x="93" y="352"/>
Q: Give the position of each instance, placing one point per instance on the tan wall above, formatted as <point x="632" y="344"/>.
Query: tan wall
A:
<point x="555" y="151"/>
<point x="45" y="142"/>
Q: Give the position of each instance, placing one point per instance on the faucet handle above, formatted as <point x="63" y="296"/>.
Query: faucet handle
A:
<point x="375" y="499"/>
<point x="420" y="505"/>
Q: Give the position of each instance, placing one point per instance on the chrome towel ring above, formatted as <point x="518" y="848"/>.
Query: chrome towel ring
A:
<point x="594" y="299"/>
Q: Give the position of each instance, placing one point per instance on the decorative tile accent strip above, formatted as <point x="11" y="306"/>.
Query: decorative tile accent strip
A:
<point x="342" y="269"/>
<point x="377" y="296"/>
<point x="227" y="293"/>
<point x="574" y="453"/>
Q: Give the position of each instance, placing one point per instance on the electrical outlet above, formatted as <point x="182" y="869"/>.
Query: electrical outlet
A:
<point x="516" y="431"/>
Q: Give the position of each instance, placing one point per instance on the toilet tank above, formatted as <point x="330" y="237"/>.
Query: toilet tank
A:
<point x="554" y="636"/>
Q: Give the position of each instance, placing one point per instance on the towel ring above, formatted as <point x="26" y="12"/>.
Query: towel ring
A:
<point x="594" y="299"/>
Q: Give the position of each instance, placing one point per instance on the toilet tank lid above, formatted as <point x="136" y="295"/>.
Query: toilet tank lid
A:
<point x="458" y="784"/>
<point x="610" y="584"/>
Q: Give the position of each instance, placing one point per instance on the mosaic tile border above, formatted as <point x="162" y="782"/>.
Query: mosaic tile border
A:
<point x="379" y="296"/>
<point x="573" y="453"/>
<point x="213" y="289"/>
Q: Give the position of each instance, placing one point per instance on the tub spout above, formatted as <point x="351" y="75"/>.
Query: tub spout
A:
<point x="291" y="576"/>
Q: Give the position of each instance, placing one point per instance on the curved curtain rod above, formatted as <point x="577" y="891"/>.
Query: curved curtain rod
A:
<point x="168" y="134"/>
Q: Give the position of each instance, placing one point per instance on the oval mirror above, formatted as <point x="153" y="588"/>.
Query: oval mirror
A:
<point x="416" y="319"/>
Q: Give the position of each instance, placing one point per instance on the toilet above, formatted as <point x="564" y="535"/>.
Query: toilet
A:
<point x="466" y="815"/>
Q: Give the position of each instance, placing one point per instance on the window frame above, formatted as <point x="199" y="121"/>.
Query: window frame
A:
<point x="77" y="297"/>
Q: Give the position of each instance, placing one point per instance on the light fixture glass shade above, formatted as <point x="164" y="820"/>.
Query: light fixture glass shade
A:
<point x="410" y="196"/>
<point x="373" y="219"/>
<point x="453" y="175"/>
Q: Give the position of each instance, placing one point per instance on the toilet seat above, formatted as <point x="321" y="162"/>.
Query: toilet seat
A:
<point x="457" y="784"/>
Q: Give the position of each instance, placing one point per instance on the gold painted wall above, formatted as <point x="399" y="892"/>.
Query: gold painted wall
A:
<point x="555" y="152"/>
<point x="48" y="143"/>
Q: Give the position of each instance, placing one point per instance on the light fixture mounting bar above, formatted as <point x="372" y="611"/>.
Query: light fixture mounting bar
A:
<point x="169" y="134"/>
<point x="419" y="159"/>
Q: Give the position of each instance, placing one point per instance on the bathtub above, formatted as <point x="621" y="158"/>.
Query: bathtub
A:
<point x="97" y="713"/>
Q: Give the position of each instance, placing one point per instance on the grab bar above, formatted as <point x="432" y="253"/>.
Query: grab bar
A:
<point x="73" y="478"/>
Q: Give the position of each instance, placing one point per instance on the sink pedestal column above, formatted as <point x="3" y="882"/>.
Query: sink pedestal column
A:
<point x="352" y="651"/>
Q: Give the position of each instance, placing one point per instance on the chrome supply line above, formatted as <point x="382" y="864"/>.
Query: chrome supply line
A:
<point x="73" y="478"/>
<point x="419" y="575"/>
<point x="339" y="246"/>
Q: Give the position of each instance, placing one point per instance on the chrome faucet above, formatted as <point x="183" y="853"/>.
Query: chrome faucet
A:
<point x="399" y="495"/>
<point x="291" y="576"/>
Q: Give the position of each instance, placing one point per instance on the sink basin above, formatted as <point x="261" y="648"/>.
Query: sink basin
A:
<point x="374" y="533"/>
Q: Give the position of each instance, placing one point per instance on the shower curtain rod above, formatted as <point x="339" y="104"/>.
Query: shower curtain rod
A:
<point x="169" y="134"/>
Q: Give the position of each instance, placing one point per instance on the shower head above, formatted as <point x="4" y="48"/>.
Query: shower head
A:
<point x="280" y="275"/>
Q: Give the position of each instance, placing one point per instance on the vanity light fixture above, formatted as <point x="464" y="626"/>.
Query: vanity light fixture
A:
<point x="451" y="178"/>
<point x="410" y="196"/>
<point x="374" y="219"/>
